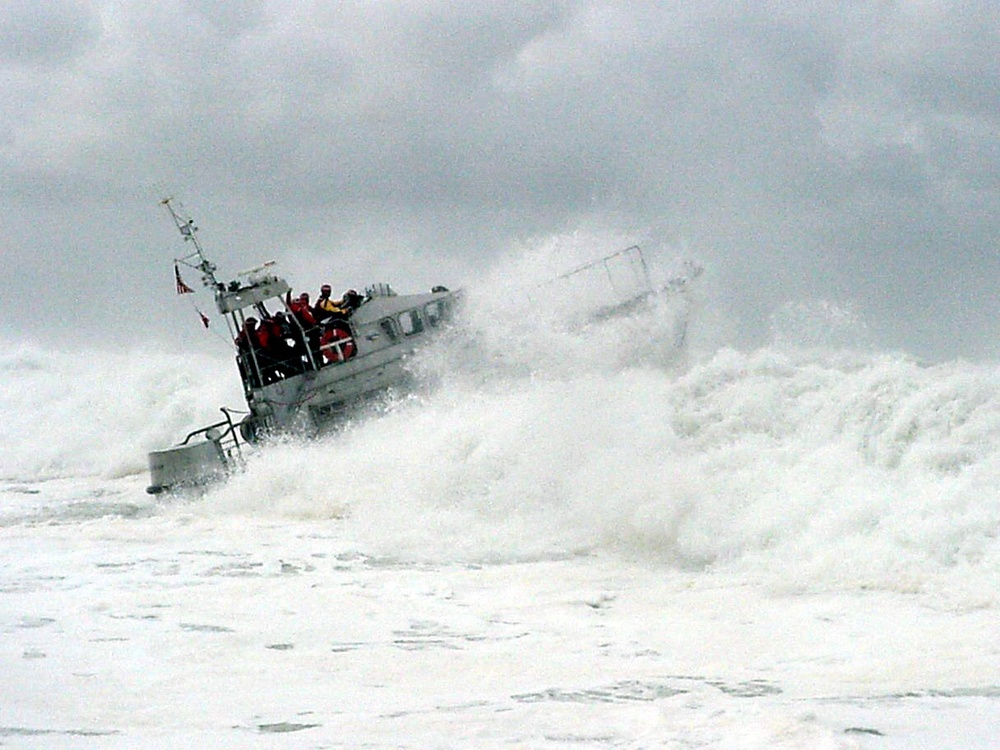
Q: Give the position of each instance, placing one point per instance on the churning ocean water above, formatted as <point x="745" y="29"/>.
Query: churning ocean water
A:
<point x="571" y="537"/>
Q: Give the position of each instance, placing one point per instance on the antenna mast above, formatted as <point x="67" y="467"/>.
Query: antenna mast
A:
<point x="187" y="229"/>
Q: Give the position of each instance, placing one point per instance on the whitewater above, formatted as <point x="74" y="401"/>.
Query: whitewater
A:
<point x="570" y="536"/>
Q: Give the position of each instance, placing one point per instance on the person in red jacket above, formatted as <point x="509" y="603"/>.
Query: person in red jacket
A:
<point x="282" y="358"/>
<point x="301" y="308"/>
<point x="250" y="342"/>
<point x="303" y="313"/>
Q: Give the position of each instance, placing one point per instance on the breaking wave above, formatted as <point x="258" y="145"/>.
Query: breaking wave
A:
<point x="811" y="469"/>
<point x="87" y="413"/>
<point x="539" y="438"/>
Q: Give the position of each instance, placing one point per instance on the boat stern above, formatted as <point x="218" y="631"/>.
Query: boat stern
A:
<point x="186" y="466"/>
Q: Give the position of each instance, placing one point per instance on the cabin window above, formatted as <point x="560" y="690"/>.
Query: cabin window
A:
<point x="411" y="322"/>
<point x="388" y="326"/>
<point x="436" y="312"/>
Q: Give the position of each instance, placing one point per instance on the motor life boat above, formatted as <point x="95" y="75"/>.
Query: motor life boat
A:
<point x="298" y="376"/>
<point x="309" y="376"/>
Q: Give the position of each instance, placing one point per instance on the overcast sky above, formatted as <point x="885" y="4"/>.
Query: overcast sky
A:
<point x="842" y="153"/>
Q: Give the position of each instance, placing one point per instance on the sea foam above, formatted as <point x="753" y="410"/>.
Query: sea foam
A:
<point x="535" y="436"/>
<point x="86" y="412"/>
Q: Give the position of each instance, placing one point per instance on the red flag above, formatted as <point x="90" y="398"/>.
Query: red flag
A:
<point x="204" y="318"/>
<point x="182" y="288"/>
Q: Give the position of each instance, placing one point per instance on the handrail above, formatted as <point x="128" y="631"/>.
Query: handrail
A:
<point x="636" y="267"/>
<point x="630" y="249"/>
<point x="228" y="441"/>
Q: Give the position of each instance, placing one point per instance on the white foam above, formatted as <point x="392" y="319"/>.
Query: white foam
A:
<point x="93" y="413"/>
<point x="807" y="471"/>
<point x="541" y="436"/>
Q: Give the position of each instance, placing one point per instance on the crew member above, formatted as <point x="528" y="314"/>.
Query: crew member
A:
<point x="350" y="302"/>
<point x="303" y="313"/>
<point x="283" y="356"/>
<point x="250" y="342"/>
<point x="326" y="308"/>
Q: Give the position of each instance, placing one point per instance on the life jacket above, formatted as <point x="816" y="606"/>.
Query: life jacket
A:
<point x="274" y="331"/>
<point x="302" y="311"/>
<point x="326" y="308"/>
<point x="263" y="336"/>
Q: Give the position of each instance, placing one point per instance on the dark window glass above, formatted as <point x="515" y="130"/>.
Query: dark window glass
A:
<point x="388" y="326"/>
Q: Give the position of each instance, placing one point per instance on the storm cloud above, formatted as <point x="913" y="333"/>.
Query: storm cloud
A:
<point x="828" y="151"/>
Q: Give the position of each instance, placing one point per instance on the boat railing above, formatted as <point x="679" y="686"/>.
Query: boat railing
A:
<point x="259" y="367"/>
<point x="630" y="260"/>
<point x="613" y="279"/>
<point x="224" y="434"/>
<point x="300" y="350"/>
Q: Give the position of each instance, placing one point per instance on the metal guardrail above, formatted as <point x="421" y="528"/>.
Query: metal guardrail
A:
<point x="636" y="257"/>
<point x="227" y="439"/>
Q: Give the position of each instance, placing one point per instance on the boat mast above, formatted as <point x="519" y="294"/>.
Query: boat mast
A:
<point x="197" y="259"/>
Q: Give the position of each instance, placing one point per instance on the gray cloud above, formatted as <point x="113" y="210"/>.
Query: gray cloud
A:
<point x="820" y="151"/>
<point x="46" y="35"/>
